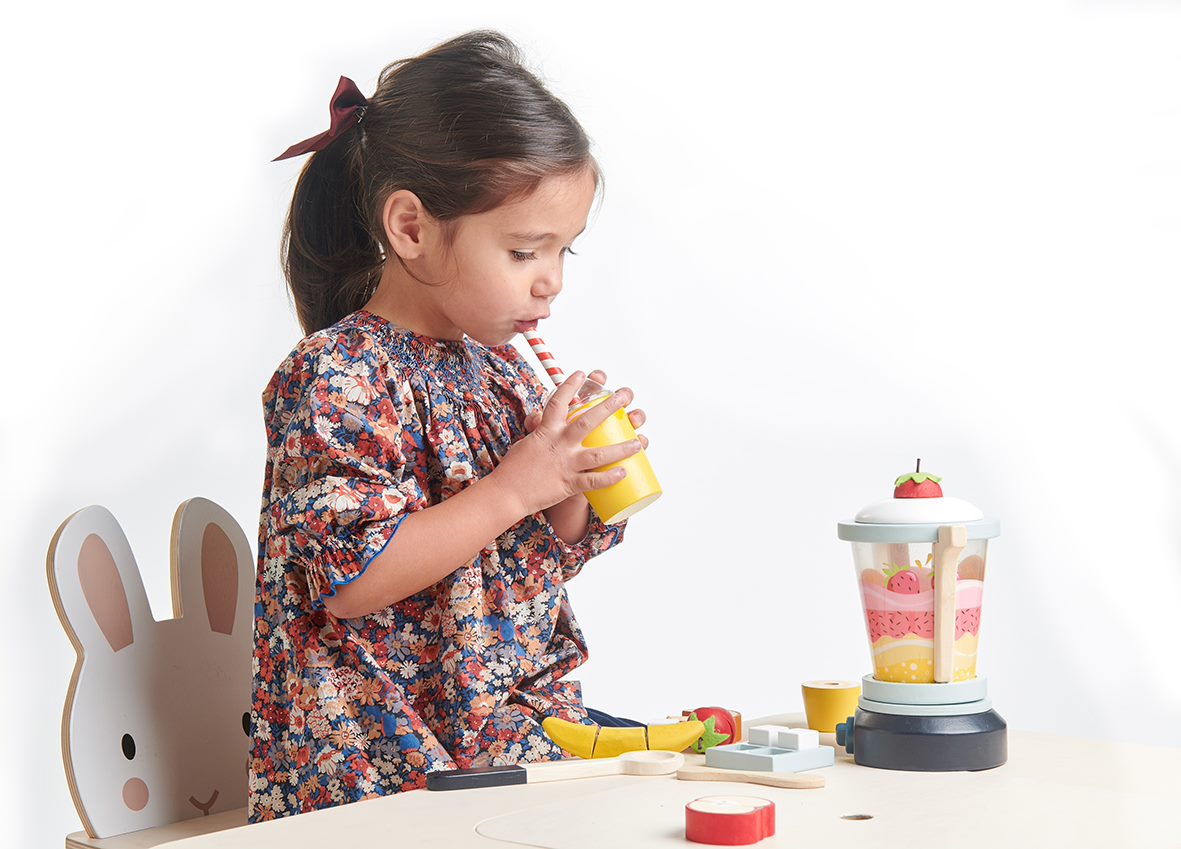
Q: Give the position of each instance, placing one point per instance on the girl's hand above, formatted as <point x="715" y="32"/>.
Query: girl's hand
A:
<point x="636" y="417"/>
<point x="550" y="465"/>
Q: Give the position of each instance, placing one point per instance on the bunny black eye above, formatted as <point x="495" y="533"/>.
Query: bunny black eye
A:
<point x="246" y="723"/>
<point x="128" y="747"/>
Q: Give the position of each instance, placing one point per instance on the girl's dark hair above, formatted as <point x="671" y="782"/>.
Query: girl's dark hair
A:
<point x="464" y="126"/>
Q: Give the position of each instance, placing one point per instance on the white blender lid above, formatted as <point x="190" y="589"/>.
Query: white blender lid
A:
<point x="916" y="518"/>
<point x="919" y="511"/>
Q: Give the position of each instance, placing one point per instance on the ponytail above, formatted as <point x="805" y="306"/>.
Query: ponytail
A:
<point x="329" y="258"/>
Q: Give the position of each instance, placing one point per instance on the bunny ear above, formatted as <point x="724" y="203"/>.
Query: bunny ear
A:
<point x="104" y="592"/>
<point x="212" y="567"/>
<point x="95" y="583"/>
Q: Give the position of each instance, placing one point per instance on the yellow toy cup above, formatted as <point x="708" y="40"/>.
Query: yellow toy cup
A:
<point x="828" y="702"/>
<point x="639" y="488"/>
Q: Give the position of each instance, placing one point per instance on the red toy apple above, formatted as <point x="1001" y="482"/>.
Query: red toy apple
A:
<point x="720" y="728"/>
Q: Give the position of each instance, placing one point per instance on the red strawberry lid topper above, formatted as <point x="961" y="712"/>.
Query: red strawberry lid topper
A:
<point x="918" y="484"/>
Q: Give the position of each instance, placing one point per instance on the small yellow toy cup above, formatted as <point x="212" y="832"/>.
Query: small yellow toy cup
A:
<point x="640" y="487"/>
<point x="828" y="702"/>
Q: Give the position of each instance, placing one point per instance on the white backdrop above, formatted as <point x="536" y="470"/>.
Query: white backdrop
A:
<point x="833" y="240"/>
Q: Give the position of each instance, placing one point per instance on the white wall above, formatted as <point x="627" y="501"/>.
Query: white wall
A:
<point x="833" y="240"/>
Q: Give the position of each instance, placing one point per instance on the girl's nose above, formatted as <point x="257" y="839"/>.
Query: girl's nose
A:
<point x="549" y="284"/>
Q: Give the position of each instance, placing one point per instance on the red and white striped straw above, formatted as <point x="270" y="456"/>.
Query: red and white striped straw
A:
<point x="547" y="359"/>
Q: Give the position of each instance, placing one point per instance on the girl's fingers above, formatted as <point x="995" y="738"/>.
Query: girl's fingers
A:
<point x="637" y="418"/>
<point x="555" y="411"/>
<point x="599" y="480"/>
<point x="594" y="458"/>
<point x="643" y="440"/>
<point x="598" y="414"/>
<point x="598" y="376"/>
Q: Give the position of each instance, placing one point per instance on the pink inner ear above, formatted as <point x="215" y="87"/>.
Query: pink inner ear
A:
<point x="104" y="591"/>
<point x="219" y="578"/>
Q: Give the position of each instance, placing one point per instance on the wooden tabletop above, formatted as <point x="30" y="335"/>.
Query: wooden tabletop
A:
<point x="1054" y="791"/>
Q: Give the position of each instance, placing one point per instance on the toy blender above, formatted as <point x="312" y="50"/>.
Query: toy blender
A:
<point x="920" y="560"/>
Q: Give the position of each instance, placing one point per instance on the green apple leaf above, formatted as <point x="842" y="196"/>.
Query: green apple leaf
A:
<point x="711" y="737"/>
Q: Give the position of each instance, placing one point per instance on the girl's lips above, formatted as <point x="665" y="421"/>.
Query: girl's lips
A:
<point x="522" y="326"/>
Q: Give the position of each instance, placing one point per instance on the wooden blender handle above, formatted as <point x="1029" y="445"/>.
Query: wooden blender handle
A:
<point x="952" y="540"/>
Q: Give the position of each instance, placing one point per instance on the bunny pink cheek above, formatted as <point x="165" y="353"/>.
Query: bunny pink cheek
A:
<point x="135" y="794"/>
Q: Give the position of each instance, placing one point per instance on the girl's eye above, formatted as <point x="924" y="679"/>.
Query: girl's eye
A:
<point x="522" y="256"/>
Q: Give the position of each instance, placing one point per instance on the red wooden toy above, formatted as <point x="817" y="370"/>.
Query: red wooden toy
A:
<point x="729" y="820"/>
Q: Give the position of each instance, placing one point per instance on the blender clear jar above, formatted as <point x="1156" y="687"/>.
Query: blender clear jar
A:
<point x="896" y="581"/>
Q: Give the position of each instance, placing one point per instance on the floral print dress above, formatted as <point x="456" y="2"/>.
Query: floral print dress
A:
<point x="367" y="422"/>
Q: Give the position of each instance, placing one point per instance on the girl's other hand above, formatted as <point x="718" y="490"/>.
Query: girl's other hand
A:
<point x="550" y="464"/>
<point x="637" y="417"/>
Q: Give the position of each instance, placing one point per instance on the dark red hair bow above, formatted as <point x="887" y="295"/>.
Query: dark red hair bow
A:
<point x="347" y="108"/>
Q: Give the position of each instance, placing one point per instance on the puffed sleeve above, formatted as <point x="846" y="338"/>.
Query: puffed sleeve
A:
<point x="346" y="457"/>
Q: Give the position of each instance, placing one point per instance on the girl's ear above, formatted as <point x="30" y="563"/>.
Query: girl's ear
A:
<point x="212" y="568"/>
<point x="95" y="583"/>
<point x="405" y="221"/>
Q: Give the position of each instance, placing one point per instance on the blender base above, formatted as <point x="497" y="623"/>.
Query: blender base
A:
<point x="949" y="743"/>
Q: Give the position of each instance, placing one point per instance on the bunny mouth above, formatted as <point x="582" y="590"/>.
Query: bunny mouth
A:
<point x="204" y="807"/>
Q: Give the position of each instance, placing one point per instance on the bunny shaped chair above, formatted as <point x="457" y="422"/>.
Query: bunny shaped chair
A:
<point x="156" y="726"/>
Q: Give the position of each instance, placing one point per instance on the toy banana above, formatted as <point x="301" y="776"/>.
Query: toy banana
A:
<point x="596" y="741"/>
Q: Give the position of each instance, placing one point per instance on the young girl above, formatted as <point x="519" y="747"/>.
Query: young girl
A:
<point x="423" y="509"/>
